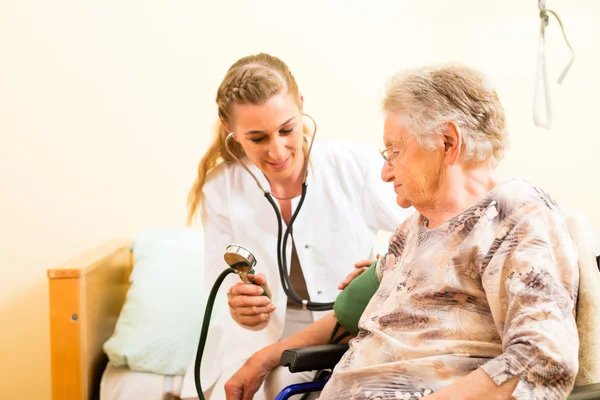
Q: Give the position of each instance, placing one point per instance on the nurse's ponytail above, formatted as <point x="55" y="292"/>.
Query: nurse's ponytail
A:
<point x="251" y="80"/>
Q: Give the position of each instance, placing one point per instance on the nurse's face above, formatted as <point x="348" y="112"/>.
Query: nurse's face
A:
<point x="271" y="135"/>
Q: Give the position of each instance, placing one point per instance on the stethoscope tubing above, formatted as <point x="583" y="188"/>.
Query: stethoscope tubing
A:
<point x="282" y="241"/>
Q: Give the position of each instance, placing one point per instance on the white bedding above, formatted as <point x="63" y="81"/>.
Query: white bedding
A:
<point x="120" y="383"/>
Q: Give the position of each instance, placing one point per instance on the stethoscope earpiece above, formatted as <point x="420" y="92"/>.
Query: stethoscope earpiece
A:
<point x="227" y="139"/>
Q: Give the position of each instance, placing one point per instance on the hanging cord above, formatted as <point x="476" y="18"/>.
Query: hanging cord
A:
<point x="542" y="88"/>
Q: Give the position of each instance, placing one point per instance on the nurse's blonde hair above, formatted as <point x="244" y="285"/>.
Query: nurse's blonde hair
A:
<point x="250" y="80"/>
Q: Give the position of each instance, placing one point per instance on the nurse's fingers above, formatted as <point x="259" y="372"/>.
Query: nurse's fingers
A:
<point x="254" y="310"/>
<point x="261" y="279"/>
<point x="365" y="263"/>
<point x="351" y="276"/>
<point x="253" y="320"/>
<point x="245" y="289"/>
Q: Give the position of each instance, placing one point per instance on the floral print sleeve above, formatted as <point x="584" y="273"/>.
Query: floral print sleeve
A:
<point x="531" y="283"/>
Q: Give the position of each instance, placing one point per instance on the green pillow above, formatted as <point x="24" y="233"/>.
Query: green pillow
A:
<point x="159" y="325"/>
<point x="352" y="301"/>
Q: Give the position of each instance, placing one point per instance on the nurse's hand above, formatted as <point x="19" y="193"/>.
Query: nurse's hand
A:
<point x="247" y="306"/>
<point x="360" y="267"/>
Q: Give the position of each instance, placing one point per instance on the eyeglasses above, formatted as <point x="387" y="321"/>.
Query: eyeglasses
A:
<point x="385" y="153"/>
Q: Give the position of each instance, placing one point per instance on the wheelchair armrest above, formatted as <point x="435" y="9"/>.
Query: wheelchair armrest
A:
<point x="585" y="392"/>
<point x="313" y="358"/>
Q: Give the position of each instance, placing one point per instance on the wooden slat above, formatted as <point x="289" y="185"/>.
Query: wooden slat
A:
<point x="86" y="296"/>
<point x="66" y="340"/>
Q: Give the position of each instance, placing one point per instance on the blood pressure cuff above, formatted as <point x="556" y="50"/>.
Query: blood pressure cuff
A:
<point x="352" y="301"/>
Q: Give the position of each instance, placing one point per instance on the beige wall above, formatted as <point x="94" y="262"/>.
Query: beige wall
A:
<point x="105" y="108"/>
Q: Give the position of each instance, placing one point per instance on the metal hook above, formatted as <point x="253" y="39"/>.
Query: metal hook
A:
<point x="541" y="82"/>
<point x="543" y="14"/>
<point x="545" y="18"/>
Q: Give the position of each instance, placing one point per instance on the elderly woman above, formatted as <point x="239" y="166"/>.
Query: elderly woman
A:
<point x="478" y="289"/>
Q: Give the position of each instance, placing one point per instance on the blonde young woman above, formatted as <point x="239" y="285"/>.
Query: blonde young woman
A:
<point x="345" y="206"/>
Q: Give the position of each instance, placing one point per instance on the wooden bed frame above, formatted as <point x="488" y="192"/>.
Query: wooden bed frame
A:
<point x="86" y="296"/>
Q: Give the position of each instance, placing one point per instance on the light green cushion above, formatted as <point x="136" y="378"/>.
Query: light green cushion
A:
<point x="159" y="325"/>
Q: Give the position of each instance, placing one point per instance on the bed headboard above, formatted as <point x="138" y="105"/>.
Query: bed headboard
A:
<point x="86" y="296"/>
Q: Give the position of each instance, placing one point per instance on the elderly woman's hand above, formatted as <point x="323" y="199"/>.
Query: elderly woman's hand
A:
<point x="247" y="380"/>
<point x="360" y="267"/>
<point x="247" y="305"/>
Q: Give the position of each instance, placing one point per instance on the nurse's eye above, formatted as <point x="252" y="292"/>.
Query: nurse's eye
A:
<point x="258" y="140"/>
<point x="288" y="130"/>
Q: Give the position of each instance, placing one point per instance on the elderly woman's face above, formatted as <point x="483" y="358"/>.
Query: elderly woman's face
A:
<point x="415" y="171"/>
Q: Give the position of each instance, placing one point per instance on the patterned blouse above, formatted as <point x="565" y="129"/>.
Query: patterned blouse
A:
<point x="492" y="288"/>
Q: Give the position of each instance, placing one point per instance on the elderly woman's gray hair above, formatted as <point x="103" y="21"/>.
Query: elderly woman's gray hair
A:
<point x="431" y="97"/>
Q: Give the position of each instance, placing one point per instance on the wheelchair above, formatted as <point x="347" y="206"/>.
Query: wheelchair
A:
<point x="324" y="358"/>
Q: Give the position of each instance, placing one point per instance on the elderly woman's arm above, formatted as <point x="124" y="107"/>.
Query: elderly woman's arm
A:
<point x="474" y="386"/>
<point x="531" y="284"/>
<point x="247" y="380"/>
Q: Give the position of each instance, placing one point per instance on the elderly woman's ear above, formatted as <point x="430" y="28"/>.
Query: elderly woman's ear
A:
<point x="452" y="142"/>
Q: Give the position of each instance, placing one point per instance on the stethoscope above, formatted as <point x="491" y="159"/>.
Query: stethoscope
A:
<point x="282" y="241"/>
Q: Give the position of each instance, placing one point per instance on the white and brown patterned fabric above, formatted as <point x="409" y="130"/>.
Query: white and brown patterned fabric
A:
<point x="492" y="288"/>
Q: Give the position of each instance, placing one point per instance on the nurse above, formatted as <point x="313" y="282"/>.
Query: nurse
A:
<point x="346" y="205"/>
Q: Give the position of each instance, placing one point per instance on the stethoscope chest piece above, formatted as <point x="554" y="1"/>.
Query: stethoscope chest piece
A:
<point x="241" y="260"/>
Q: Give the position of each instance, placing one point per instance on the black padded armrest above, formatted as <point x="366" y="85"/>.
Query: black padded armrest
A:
<point x="585" y="392"/>
<point x="313" y="358"/>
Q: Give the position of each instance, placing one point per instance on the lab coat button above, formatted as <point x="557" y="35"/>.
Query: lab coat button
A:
<point x="319" y="292"/>
<point x="306" y="246"/>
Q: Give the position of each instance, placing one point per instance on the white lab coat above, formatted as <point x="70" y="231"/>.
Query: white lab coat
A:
<point x="346" y="204"/>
